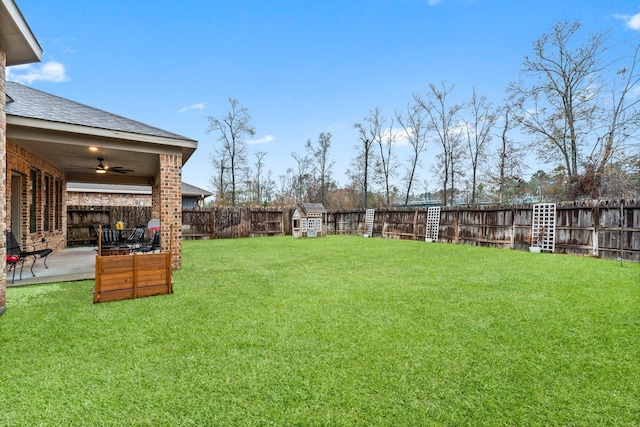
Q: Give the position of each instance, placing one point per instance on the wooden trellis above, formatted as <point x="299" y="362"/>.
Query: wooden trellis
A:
<point x="543" y="226"/>
<point x="368" y="220"/>
<point x="433" y="224"/>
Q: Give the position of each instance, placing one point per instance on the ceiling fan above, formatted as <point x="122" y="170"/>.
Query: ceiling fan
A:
<point x="102" y="168"/>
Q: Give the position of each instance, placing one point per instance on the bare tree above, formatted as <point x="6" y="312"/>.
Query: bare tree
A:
<point x="621" y="120"/>
<point x="268" y="187"/>
<point x="557" y="106"/>
<point x="219" y="180"/>
<point x="322" y="165"/>
<point x="442" y="121"/>
<point x="375" y="127"/>
<point x="414" y="125"/>
<point x="478" y="130"/>
<point x="258" y="169"/>
<point x="301" y="177"/>
<point x="505" y="172"/>
<point x="233" y="128"/>
<point x="362" y="164"/>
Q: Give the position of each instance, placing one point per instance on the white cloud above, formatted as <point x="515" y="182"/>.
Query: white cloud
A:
<point x="632" y="22"/>
<point x="51" y="71"/>
<point x="398" y="136"/>
<point x="264" y="140"/>
<point x="198" y="106"/>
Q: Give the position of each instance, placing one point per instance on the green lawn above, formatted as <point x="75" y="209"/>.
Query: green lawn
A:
<point x="335" y="331"/>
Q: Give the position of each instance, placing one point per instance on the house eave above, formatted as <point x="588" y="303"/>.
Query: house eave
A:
<point x="16" y="38"/>
<point x="22" y="125"/>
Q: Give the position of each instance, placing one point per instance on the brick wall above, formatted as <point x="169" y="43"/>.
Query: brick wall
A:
<point x="170" y="209"/>
<point x="107" y="199"/>
<point x="21" y="161"/>
<point x="3" y="183"/>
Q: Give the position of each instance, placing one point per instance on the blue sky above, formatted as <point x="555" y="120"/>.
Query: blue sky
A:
<point x="300" y="67"/>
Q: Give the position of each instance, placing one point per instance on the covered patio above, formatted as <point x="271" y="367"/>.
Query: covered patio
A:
<point x="52" y="141"/>
<point x="65" y="265"/>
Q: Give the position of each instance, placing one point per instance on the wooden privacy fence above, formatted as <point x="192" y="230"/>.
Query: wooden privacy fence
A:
<point x="81" y="219"/>
<point x="229" y="223"/>
<point x="609" y="229"/>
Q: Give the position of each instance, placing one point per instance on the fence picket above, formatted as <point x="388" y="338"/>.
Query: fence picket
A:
<point x="609" y="229"/>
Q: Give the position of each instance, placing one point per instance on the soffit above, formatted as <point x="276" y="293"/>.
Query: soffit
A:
<point x="16" y="38"/>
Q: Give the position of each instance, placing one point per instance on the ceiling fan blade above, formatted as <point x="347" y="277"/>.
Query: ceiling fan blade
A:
<point x="119" y="169"/>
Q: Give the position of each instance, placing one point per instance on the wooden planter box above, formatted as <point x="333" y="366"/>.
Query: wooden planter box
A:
<point x="120" y="277"/>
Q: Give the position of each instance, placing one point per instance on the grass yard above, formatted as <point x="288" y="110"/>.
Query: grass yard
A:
<point x="335" y="331"/>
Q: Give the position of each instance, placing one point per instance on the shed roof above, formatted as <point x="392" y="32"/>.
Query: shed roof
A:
<point x="310" y="208"/>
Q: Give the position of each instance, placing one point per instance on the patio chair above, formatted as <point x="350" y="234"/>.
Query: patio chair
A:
<point x="136" y="237"/>
<point x="12" y="264"/>
<point x="150" y="247"/>
<point x="15" y="250"/>
<point x="110" y="237"/>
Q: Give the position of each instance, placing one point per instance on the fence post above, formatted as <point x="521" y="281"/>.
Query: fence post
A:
<point x="595" y="219"/>
<point x="622" y="227"/>
<point x="212" y="223"/>
<point x="457" y="233"/>
<point x="513" y="229"/>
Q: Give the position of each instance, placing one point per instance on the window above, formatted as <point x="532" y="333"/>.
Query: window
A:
<point x="57" y="204"/>
<point x="46" y="203"/>
<point x="33" y="200"/>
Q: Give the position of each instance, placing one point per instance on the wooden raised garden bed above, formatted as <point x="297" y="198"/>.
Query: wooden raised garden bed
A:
<point x="120" y="277"/>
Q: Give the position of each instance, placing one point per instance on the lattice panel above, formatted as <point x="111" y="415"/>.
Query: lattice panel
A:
<point x="543" y="226"/>
<point x="368" y="220"/>
<point x="433" y="223"/>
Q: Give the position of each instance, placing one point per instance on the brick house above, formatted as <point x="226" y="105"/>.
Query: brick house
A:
<point x="95" y="194"/>
<point x="46" y="140"/>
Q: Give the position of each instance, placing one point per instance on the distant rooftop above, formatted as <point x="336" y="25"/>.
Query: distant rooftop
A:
<point x="81" y="187"/>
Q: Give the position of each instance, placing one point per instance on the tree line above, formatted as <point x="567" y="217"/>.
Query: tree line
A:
<point x="571" y="107"/>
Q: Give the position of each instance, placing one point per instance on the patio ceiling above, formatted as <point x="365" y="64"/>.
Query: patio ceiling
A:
<point x="70" y="153"/>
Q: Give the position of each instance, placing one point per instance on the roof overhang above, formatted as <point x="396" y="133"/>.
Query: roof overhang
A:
<point x="66" y="147"/>
<point x="16" y="38"/>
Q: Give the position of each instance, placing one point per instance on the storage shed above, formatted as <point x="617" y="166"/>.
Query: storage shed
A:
<point x="308" y="220"/>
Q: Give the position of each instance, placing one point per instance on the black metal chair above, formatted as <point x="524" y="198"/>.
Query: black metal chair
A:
<point x="136" y="238"/>
<point x="153" y="246"/>
<point x="16" y="254"/>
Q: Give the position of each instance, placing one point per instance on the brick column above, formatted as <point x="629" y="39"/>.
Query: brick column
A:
<point x="3" y="183"/>
<point x="170" y="183"/>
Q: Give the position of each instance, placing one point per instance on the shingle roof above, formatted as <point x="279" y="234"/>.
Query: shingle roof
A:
<point x="80" y="187"/>
<point x="27" y="102"/>
<point x="192" y="190"/>
<point x="309" y="208"/>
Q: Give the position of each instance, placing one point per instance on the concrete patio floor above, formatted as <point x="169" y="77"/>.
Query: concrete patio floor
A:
<point x="64" y="266"/>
